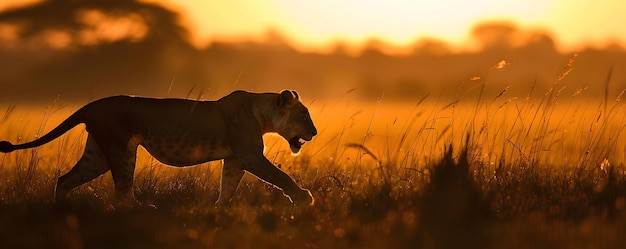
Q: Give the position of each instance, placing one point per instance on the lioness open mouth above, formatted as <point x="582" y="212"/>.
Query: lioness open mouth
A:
<point x="296" y="143"/>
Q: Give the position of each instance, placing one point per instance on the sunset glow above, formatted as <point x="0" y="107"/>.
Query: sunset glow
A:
<point x="398" y="22"/>
<point x="317" y="25"/>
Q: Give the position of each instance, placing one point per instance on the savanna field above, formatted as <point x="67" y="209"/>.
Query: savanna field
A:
<point x="505" y="170"/>
<point x="441" y="124"/>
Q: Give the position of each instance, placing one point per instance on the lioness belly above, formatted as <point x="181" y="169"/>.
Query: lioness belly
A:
<point x="186" y="155"/>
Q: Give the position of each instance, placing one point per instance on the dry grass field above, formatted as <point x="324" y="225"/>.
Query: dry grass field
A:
<point x="506" y="133"/>
<point x="536" y="170"/>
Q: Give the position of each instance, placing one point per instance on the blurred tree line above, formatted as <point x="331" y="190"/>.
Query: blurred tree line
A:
<point x="85" y="49"/>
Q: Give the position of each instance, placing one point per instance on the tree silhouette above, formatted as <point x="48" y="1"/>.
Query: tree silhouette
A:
<point x="495" y="35"/>
<point x="138" y="62"/>
<point x="430" y="46"/>
<point x="34" y="20"/>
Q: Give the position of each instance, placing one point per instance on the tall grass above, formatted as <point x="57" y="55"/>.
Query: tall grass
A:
<point x="533" y="170"/>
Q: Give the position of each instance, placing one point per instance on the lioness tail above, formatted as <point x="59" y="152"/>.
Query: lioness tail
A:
<point x="66" y="125"/>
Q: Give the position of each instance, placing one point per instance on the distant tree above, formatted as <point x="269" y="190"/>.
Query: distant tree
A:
<point x="72" y="21"/>
<point x="496" y="35"/>
<point x="539" y="42"/>
<point x="430" y="46"/>
<point x="275" y="39"/>
<point x="86" y="46"/>
<point x="340" y="48"/>
<point x="374" y="48"/>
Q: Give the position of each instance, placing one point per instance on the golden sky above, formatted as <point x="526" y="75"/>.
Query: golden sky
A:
<point x="318" y="24"/>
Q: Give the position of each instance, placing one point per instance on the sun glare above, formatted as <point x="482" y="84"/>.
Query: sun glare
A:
<point x="397" y="22"/>
<point x="318" y="25"/>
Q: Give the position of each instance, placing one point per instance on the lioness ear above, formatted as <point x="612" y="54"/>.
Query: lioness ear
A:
<point x="287" y="98"/>
<point x="295" y="94"/>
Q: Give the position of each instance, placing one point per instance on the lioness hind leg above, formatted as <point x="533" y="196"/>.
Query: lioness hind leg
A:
<point x="91" y="165"/>
<point x="231" y="176"/>
<point x="122" y="166"/>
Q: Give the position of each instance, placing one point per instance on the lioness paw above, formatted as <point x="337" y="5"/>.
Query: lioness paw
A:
<point x="303" y="197"/>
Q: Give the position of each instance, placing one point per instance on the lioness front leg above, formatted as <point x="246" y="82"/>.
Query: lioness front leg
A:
<point x="266" y="171"/>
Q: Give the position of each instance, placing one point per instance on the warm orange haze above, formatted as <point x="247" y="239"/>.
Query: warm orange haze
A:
<point x="437" y="124"/>
<point x="317" y="25"/>
<point x="414" y="47"/>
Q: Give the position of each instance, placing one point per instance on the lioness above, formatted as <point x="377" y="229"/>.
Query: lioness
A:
<point x="181" y="133"/>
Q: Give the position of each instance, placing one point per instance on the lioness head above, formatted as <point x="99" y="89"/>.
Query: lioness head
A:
<point x="292" y="120"/>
